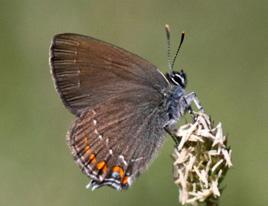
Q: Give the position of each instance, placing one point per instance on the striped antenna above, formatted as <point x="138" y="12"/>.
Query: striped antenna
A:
<point x="168" y="46"/>
<point x="178" y="49"/>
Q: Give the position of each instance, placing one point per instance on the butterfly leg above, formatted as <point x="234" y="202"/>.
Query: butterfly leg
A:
<point x="171" y="129"/>
<point x="192" y="97"/>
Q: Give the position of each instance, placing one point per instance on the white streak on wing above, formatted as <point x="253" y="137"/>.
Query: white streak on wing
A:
<point x="107" y="142"/>
<point x="123" y="160"/>
<point x="100" y="137"/>
<point x="96" y="131"/>
<point x="94" y="121"/>
<point x="136" y="160"/>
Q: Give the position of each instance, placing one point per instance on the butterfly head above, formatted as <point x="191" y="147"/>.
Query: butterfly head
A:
<point x="177" y="78"/>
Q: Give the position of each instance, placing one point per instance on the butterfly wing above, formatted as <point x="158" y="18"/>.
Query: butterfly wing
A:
<point x="88" y="71"/>
<point x="115" y="141"/>
<point x="119" y="100"/>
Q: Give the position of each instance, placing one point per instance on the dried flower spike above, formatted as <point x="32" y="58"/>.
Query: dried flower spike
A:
<point x="201" y="160"/>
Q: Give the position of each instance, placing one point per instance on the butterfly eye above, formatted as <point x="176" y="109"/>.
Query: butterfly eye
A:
<point x="178" y="78"/>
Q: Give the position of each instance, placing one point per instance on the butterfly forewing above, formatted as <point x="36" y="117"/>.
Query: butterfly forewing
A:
<point x="89" y="71"/>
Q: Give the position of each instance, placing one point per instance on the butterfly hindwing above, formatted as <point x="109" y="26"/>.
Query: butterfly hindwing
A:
<point x="115" y="141"/>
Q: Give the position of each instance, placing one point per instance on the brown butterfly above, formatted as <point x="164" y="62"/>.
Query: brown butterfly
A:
<point x="123" y="105"/>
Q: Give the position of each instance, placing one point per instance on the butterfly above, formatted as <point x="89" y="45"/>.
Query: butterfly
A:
<point x="123" y="106"/>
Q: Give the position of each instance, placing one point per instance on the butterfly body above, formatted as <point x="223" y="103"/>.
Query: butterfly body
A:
<point x="123" y="105"/>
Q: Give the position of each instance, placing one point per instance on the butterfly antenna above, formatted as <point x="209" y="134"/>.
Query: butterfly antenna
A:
<point x="168" y="46"/>
<point x="178" y="49"/>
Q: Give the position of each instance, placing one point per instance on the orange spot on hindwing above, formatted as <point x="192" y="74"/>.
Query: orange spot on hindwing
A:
<point x="92" y="158"/>
<point x="102" y="166"/>
<point x="87" y="150"/>
<point x="125" y="180"/>
<point x="118" y="170"/>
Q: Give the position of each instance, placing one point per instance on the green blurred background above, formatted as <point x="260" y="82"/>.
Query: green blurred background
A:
<point x="225" y="56"/>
